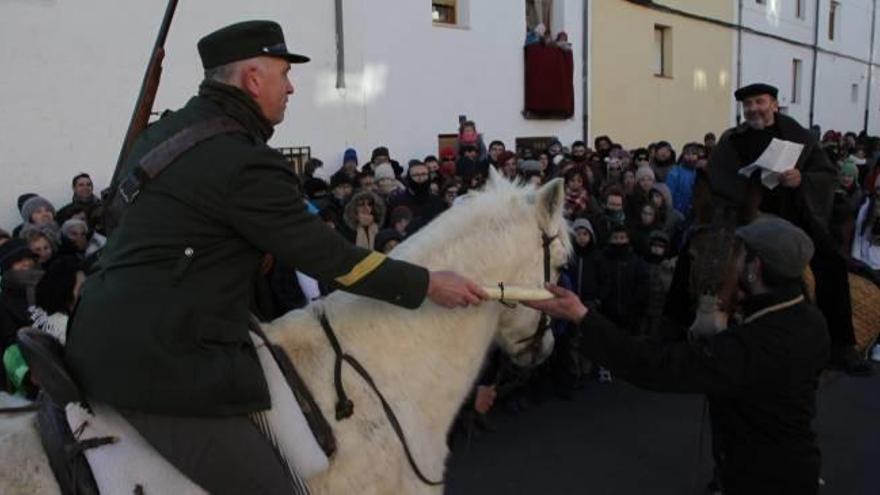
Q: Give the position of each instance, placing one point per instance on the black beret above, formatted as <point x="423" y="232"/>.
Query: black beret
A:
<point x="245" y="40"/>
<point x="755" y="90"/>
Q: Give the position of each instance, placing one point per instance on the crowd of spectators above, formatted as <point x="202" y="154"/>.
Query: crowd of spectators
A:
<point x="628" y="209"/>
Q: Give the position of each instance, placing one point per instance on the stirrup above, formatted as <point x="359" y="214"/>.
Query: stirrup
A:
<point x="45" y="357"/>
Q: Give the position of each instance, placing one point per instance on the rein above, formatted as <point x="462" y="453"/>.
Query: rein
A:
<point x="345" y="406"/>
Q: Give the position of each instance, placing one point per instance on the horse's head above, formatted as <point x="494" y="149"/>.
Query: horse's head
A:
<point x="521" y="333"/>
<point x="713" y="251"/>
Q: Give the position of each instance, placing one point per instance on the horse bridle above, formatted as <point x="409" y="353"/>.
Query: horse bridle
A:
<point x="536" y="339"/>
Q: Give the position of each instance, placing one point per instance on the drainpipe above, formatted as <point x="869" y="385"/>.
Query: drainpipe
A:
<point x="739" y="57"/>
<point x="870" y="66"/>
<point x="815" y="63"/>
<point x="340" y="48"/>
<point x="585" y="72"/>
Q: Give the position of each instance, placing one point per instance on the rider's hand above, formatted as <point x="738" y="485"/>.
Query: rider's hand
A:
<point x="566" y="305"/>
<point x="484" y="398"/>
<point x="451" y="290"/>
<point x="791" y="178"/>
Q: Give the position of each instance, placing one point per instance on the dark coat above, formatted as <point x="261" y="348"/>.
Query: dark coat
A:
<point x="623" y="286"/>
<point x="583" y="271"/>
<point x="162" y="326"/>
<point x="761" y="379"/>
<point x="808" y="204"/>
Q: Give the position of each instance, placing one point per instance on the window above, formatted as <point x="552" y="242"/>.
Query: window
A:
<point x="444" y="11"/>
<point x="662" y="51"/>
<point x="833" y="15"/>
<point x="800" y="8"/>
<point x="854" y="93"/>
<point x="796" y="72"/>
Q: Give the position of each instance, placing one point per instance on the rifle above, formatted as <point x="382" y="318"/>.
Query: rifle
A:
<point x="140" y="117"/>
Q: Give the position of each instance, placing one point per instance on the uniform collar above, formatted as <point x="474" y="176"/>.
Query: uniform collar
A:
<point x="238" y="105"/>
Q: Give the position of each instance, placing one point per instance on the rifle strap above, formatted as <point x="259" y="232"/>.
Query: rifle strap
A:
<point x="159" y="158"/>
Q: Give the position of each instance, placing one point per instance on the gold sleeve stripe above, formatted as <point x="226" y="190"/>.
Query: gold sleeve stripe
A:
<point x="362" y="269"/>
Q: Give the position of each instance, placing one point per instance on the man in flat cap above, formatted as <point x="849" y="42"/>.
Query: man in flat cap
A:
<point x="161" y="330"/>
<point x="804" y="197"/>
<point x="760" y="376"/>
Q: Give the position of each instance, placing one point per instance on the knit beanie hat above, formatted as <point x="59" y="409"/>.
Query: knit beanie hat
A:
<point x="24" y="197"/>
<point x="31" y="205"/>
<point x="645" y="172"/>
<point x="350" y="155"/>
<point x="384" y="171"/>
<point x="583" y="223"/>
<point x="849" y="169"/>
<point x="68" y="226"/>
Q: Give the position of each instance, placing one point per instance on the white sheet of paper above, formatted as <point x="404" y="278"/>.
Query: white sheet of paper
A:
<point x="779" y="156"/>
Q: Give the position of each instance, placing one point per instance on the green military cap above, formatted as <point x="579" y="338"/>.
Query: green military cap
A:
<point x="244" y="40"/>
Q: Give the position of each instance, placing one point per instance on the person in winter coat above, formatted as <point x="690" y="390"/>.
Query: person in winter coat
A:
<point x="664" y="160"/>
<point x="417" y="197"/>
<point x="363" y="217"/>
<point x="84" y="199"/>
<point x="583" y="267"/>
<point x="641" y="227"/>
<point x="20" y="274"/>
<point x="38" y="212"/>
<point x="661" y="268"/>
<point x="760" y="377"/>
<point x="681" y="179"/>
<point x="623" y="281"/>
<point x="670" y="220"/>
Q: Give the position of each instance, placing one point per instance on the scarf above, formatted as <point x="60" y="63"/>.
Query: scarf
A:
<point x="238" y="105"/>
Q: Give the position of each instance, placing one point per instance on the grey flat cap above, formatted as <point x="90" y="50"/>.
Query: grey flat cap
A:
<point x="786" y="249"/>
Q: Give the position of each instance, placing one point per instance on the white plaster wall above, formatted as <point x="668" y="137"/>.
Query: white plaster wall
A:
<point x="779" y="17"/>
<point x="834" y="107"/>
<point x="853" y="36"/>
<point x="769" y="61"/>
<point x="73" y="69"/>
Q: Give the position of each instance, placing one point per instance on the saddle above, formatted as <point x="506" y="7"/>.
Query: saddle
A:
<point x="72" y="430"/>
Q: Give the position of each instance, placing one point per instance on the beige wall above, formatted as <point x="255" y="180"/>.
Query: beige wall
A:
<point x="635" y="107"/>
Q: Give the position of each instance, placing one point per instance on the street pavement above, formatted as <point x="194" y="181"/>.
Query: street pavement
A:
<point x="618" y="439"/>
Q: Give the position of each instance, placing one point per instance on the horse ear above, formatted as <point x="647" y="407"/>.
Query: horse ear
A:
<point x="494" y="176"/>
<point x="550" y="199"/>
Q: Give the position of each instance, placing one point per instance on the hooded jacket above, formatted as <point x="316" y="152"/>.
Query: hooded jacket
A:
<point x="352" y="229"/>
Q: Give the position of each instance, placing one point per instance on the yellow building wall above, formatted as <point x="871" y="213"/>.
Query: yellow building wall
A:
<point x="635" y="107"/>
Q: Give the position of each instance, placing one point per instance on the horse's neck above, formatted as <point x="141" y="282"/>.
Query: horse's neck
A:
<point x="428" y="357"/>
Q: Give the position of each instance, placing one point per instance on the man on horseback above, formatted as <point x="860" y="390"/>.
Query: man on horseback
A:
<point x="161" y="330"/>
<point x="804" y="197"/>
<point x="760" y="377"/>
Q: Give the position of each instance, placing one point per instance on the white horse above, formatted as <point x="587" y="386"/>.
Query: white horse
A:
<point x="424" y="361"/>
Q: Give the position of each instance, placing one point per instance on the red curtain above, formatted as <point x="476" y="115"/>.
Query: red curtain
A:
<point x="549" y="82"/>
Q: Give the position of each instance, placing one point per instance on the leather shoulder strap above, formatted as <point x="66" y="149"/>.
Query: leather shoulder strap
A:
<point x="159" y="158"/>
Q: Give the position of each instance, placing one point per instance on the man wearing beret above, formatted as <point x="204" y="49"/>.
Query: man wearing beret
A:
<point x="760" y="376"/>
<point x="804" y="196"/>
<point x="161" y="330"/>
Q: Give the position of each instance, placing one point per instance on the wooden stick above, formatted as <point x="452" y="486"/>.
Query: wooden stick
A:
<point x="514" y="293"/>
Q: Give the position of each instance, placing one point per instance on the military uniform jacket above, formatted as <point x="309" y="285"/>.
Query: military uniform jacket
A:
<point x="162" y="326"/>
